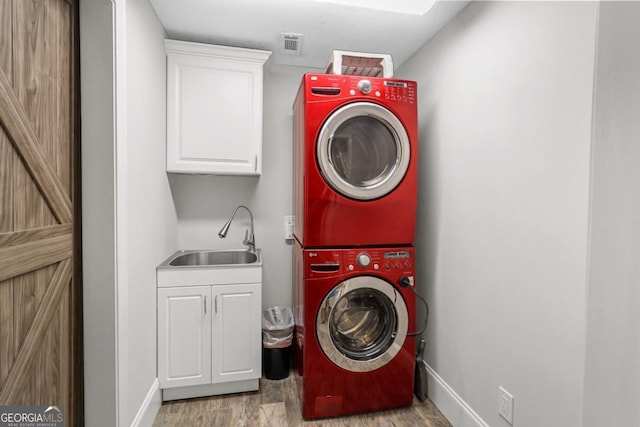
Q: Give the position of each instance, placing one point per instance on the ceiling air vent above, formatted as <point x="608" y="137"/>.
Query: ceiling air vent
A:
<point x="291" y="43"/>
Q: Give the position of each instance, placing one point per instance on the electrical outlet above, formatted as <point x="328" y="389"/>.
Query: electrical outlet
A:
<point x="288" y="226"/>
<point x="505" y="405"/>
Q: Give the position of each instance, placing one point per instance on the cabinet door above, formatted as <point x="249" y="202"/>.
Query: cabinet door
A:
<point x="184" y="336"/>
<point x="236" y="333"/>
<point x="214" y="109"/>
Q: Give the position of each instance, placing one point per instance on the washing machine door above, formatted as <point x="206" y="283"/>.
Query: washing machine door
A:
<point x="362" y="323"/>
<point x="363" y="151"/>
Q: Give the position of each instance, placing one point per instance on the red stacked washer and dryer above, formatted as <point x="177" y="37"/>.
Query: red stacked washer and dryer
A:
<point x="355" y="198"/>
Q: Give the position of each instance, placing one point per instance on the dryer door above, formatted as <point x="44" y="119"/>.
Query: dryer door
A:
<point x="362" y="323"/>
<point x="363" y="151"/>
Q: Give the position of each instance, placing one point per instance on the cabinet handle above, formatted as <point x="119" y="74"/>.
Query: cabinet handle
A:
<point x="205" y="304"/>
<point x="216" y="304"/>
<point x="255" y="163"/>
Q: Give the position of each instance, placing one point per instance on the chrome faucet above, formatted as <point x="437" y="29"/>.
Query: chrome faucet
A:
<point x="249" y="239"/>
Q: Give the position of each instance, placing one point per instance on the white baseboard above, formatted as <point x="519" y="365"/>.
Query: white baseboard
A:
<point x="149" y="408"/>
<point x="457" y="411"/>
<point x="187" y="392"/>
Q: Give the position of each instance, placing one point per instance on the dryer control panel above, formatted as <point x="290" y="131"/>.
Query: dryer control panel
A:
<point x="400" y="91"/>
<point x="326" y="86"/>
<point x="389" y="90"/>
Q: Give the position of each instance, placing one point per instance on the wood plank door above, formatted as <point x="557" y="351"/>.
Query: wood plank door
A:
<point x="40" y="289"/>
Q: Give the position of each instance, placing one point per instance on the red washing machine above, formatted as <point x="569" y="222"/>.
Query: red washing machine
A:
<point x="354" y="309"/>
<point x="355" y="161"/>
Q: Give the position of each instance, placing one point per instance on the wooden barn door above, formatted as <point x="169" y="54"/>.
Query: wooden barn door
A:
<point x="40" y="297"/>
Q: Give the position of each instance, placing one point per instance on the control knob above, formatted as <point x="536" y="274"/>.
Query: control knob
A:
<point x="363" y="259"/>
<point x="365" y="86"/>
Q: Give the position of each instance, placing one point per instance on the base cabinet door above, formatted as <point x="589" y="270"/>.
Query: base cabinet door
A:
<point x="236" y="332"/>
<point x="184" y="336"/>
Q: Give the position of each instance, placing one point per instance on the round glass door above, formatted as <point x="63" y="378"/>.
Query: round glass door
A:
<point x="363" y="151"/>
<point x="362" y="324"/>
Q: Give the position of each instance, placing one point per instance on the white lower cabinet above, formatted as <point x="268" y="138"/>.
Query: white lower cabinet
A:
<point x="236" y="347"/>
<point x="184" y="336"/>
<point x="209" y="339"/>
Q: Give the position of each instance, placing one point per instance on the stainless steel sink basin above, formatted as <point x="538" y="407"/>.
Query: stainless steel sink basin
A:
<point x="210" y="267"/>
<point x="206" y="258"/>
<point x="215" y="258"/>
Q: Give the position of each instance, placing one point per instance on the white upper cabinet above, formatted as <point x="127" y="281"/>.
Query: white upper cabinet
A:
<point x="214" y="109"/>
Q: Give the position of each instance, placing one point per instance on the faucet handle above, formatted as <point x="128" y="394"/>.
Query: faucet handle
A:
<point x="249" y="240"/>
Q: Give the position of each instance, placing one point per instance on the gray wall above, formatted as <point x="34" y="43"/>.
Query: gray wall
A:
<point x="204" y="203"/>
<point x="612" y="376"/>
<point x="505" y="97"/>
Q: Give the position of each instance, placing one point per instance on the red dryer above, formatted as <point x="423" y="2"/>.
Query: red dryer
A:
<point x="355" y="161"/>
<point x="355" y="311"/>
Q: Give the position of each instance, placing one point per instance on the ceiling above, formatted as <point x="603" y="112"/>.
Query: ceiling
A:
<point x="258" y="24"/>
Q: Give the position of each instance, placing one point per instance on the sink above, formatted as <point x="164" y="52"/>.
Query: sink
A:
<point x="210" y="267"/>
<point x="214" y="258"/>
<point x="206" y="258"/>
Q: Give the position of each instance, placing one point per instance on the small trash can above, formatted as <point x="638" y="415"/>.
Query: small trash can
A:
<point x="277" y="337"/>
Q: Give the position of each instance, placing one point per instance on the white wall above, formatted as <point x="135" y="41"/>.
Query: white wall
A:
<point x="204" y="203"/>
<point x="129" y="222"/>
<point x="612" y="376"/>
<point x="505" y="96"/>
<point x="97" y="47"/>
<point x="151" y="216"/>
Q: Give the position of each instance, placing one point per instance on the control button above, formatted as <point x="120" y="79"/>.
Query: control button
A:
<point x="352" y="92"/>
<point x="376" y="266"/>
<point x="365" y="86"/>
<point x="363" y="259"/>
<point x="351" y="267"/>
<point x="386" y="266"/>
<point x="378" y="93"/>
<point x="407" y="264"/>
<point x="397" y="264"/>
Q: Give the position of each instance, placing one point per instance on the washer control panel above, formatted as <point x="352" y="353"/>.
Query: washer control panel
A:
<point x="374" y="259"/>
<point x="397" y="259"/>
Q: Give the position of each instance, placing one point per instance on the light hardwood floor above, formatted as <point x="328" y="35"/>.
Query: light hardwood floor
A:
<point x="277" y="405"/>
